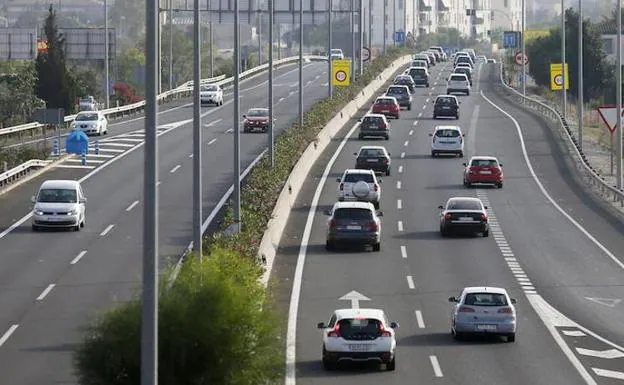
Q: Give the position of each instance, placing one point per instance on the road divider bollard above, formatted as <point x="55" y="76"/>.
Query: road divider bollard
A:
<point x="84" y="158"/>
<point x="55" y="147"/>
<point x="97" y="147"/>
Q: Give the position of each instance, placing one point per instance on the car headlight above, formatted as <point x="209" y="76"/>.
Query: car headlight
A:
<point x="72" y="212"/>
<point x="38" y="212"/>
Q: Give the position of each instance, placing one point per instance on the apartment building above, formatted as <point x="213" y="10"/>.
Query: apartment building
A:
<point x="402" y="19"/>
<point x="507" y="14"/>
<point x="427" y="16"/>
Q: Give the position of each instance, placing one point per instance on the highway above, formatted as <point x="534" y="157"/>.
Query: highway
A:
<point x="52" y="282"/>
<point x="558" y="252"/>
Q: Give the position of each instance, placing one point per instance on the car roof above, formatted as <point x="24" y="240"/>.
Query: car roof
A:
<point x="447" y="128"/>
<point x="60" y="183"/>
<point x="258" y="108"/>
<point x="358" y="171"/>
<point x="472" y="199"/>
<point x="353" y="313"/>
<point x="372" y="148"/>
<point x="481" y="289"/>
<point x="387" y="97"/>
<point x="375" y="115"/>
<point x="353" y="205"/>
<point x="398" y="85"/>
<point x="483" y="157"/>
<point x="446" y="96"/>
<point x="459" y="74"/>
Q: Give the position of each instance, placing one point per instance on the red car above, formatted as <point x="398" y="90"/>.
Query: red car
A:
<point x="256" y="119"/>
<point x="483" y="169"/>
<point x="387" y="105"/>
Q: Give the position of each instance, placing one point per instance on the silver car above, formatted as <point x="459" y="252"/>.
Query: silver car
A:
<point x="59" y="204"/>
<point x="483" y="310"/>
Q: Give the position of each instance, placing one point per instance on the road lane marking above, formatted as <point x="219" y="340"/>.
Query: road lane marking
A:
<point x="400" y="169"/>
<point x="609" y="373"/>
<point x="573" y="333"/>
<point x="45" y="292"/>
<point x="212" y="141"/>
<point x="213" y="122"/>
<point x="176" y="168"/>
<point x="124" y="145"/>
<point x="419" y="114"/>
<point x="406" y="143"/>
<point x="190" y="156"/>
<point x="419" y="319"/>
<point x="78" y="257"/>
<point x="398" y="184"/>
<point x="606" y="354"/>
<point x="410" y="282"/>
<point x="87" y="160"/>
<point x="158" y="183"/>
<point x="8" y="333"/>
<point x="106" y="230"/>
<point x="74" y="166"/>
<point x="132" y="205"/>
<point x="436" y="366"/>
<point x="411" y="132"/>
<point x="402" y="155"/>
<point x="229" y="130"/>
<point x="403" y="252"/>
<point x="424" y="107"/>
<point x="400" y="225"/>
<point x="415" y="123"/>
<point x="113" y="150"/>
<point x="399" y="204"/>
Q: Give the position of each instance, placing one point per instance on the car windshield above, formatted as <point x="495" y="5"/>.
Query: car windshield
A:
<point x="373" y="121"/>
<point x="353" y="213"/>
<point x="356" y="177"/>
<point x="385" y="101"/>
<point x="396" y="91"/>
<point x="336" y="52"/>
<point x="484" y="163"/>
<point x="370" y="152"/>
<point x="485" y="299"/>
<point x="457" y="78"/>
<point x="57" y="195"/>
<point x="403" y="79"/>
<point x="360" y="328"/>
<point x="86" y="117"/>
<point x="447" y="133"/>
<point x="258" y="112"/>
<point x="461" y="204"/>
<point x="445" y="101"/>
<point x="210" y="88"/>
<point x="463" y="70"/>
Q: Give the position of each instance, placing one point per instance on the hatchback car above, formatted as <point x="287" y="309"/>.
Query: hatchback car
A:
<point x="336" y="54"/>
<point x="256" y="119"/>
<point x="458" y="83"/>
<point x="59" y="204"/>
<point x="405" y="80"/>
<point x="90" y="122"/>
<point x="426" y="58"/>
<point x="446" y="105"/>
<point x="447" y="140"/>
<point x="211" y="94"/>
<point x="358" y="335"/>
<point x="401" y="94"/>
<point x="388" y="106"/>
<point x="483" y="169"/>
<point x="484" y="310"/>
<point x="359" y="185"/>
<point x="464" y="213"/>
<point x="464" y="59"/>
<point x="374" y="125"/>
<point x="375" y="158"/>
<point x="420" y="76"/>
<point x="418" y="64"/>
<point x="465" y="71"/>
<point x="353" y="223"/>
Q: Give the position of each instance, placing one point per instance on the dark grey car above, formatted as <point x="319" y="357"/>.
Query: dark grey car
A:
<point x="353" y="223"/>
<point x="402" y="95"/>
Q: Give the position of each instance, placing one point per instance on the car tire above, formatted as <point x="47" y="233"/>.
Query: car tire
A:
<point x="77" y="228"/>
<point x="467" y="93"/>
<point x="467" y="184"/>
<point x="499" y="185"/>
<point x="457" y="117"/>
<point x="387" y="137"/>
<point x="329" y="246"/>
<point x="486" y="233"/>
<point x="444" y="232"/>
<point x="433" y="154"/>
<point x="427" y="85"/>
<point x="458" y="336"/>
<point x="391" y="366"/>
<point x="328" y="365"/>
<point x="397" y="116"/>
<point x="35" y="228"/>
<point x="388" y="172"/>
<point x="461" y="154"/>
<point x="409" y="108"/>
<point x="511" y="337"/>
<point x="377" y="246"/>
<point x="360" y="137"/>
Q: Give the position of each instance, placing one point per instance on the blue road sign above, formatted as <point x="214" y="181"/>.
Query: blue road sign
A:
<point x="399" y="36"/>
<point x="511" y="39"/>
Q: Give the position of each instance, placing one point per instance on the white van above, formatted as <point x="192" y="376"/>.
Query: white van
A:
<point x="59" y="204"/>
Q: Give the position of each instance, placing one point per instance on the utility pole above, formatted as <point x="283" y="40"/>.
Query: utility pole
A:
<point x="361" y="36"/>
<point x="618" y="132"/>
<point x="271" y="140"/>
<point x="385" y="26"/>
<point x="330" y="88"/>
<point x="300" y="64"/>
<point x="170" y="44"/>
<point x="563" y="60"/>
<point x="394" y="22"/>
<point x="580" y="76"/>
<point x="237" y="178"/>
<point x="523" y="49"/>
<point x="197" y="134"/>
<point x="106" y="58"/>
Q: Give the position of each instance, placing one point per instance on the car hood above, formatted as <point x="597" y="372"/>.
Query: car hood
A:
<point x="55" y="206"/>
<point x="255" y="119"/>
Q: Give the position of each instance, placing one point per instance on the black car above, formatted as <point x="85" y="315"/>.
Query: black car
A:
<point x="464" y="213"/>
<point x="420" y="76"/>
<point x="402" y="95"/>
<point x="374" y="125"/>
<point x="446" y="105"/>
<point x="405" y="80"/>
<point x="466" y="71"/>
<point x="374" y="158"/>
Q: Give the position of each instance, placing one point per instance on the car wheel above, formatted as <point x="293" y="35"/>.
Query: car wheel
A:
<point x="245" y="130"/>
<point x="328" y="365"/>
<point x="360" y="137"/>
<point x="467" y="184"/>
<point x="458" y="336"/>
<point x="500" y="185"/>
<point x="329" y="246"/>
<point x="77" y="228"/>
<point x="397" y="116"/>
<point x="387" y="137"/>
<point x="461" y="154"/>
<point x="486" y="233"/>
<point x="467" y="93"/>
<point x="35" y="228"/>
<point x="443" y="232"/>
<point x="427" y="85"/>
<point x="409" y="108"/>
<point x="391" y="366"/>
<point x="435" y="116"/>
<point x="433" y="154"/>
<point x="511" y="337"/>
<point x="457" y="117"/>
<point x="377" y="246"/>
<point x="388" y="171"/>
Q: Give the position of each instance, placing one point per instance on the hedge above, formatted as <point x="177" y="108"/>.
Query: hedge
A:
<point x="16" y="156"/>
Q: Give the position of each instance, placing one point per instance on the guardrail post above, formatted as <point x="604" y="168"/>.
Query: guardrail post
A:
<point x="56" y="148"/>
<point x="84" y="158"/>
<point x="6" y="166"/>
<point x="97" y="147"/>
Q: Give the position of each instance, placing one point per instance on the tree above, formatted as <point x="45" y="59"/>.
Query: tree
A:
<point x="217" y="325"/>
<point x="543" y="51"/>
<point x="55" y="84"/>
<point x="17" y="97"/>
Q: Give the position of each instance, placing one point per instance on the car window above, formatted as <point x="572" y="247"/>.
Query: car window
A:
<point x="484" y="162"/>
<point x="445" y="101"/>
<point x="352" y="213"/>
<point x="457" y="78"/>
<point x="57" y="196"/>
<point x="87" y="117"/>
<point x="385" y="101"/>
<point x="485" y="299"/>
<point x="360" y="328"/>
<point x="258" y="112"/>
<point x="463" y="70"/>
<point x="356" y="177"/>
<point x="373" y="121"/>
<point x="332" y="321"/>
<point x="447" y="133"/>
<point x="396" y="91"/>
<point x="210" y="88"/>
<point x="457" y="204"/>
<point x="372" y="152"/>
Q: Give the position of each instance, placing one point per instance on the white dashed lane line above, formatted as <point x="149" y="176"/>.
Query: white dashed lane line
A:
<point x="399" y="204"/>
<point x="400" y="170"/>
<point x="107" y="230"/>
<point x="406" y="143"/>
<point x="437" y="370"/>
<point x="132" y="205"/>
<point x="78" y="257"/>
<point x="410" y="282"/>
<point x="176" y="168"/>
<point x="410" y="133"/>
<point x="402" y="155"/>
<point x="212" y="141"/>
<point x="400" y="226"/>
<point x="8" y="334"/>
<point x="419" y="319"/>
<point x="403" y="252"/>
<point x="45" y="292"/>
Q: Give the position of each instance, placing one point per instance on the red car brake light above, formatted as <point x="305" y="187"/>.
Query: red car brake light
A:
<point x="371" y="226"/>
<point x="505" y="310"/>
<point x="334" y="333"/>
<point x="447" y="216"/>
<point x="466" y="309"/>
<point x="384" y="332"/>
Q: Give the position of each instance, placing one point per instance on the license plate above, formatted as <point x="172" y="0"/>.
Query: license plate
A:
<point x="385" y="110"/>
<point x="486" y="327"/>
<point x="446" y="108"/>
<point x="485" y="172"/>
<point x="352" y="227"/>
<point x="54" y="219"/>
<point x="465" y="219"/>
<point x="372" y="160"/>
<point x="359" y="347"/>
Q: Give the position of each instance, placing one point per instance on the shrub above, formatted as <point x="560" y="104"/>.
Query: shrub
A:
<point x="17" y="156"/>
<point x="216" y="326"/>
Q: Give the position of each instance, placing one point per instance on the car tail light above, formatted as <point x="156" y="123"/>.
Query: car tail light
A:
<point x="341" y="186"/>
<point x="332" y="223"/>
<point x="505" y="310"/>
<point x="372" y="226"/>
<point x="466" y="309"/>
<point x="384" y="332"/>
<point x="385" y="161"/>
<point x="483" y="217"/>
<point x="376" y="187"/>
<point x="334" y="333"/>
<point x="383" y="126"/>
<point x="447" y="216"/>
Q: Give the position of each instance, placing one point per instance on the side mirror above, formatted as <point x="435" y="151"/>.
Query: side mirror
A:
<point x="33" y="199"/>
<point x="394" y="325"/>
<point x="500" y="164"/>
<point x="328" y="212"/>
<point x="430" y="134"/>
<point x="463" y="135"/>
<point x="380" y="181"/>
<point x="321" y="325"/>
<point x="485" y="207"/>
<point x="441" y="207"/>
<point x="83" y="200"/>
<point x="244" y="116"/>
<point x="513" y="301"/>
<point x="338" y="180"/>
<point x="360" y="120"/>
<point x="355" y="153"/>
<point x="465" y="164"/>
<point x="453" y="299"/>
<point x="380" y="213"/>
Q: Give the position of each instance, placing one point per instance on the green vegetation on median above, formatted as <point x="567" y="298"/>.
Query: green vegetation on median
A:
<point x="16" y="156"/>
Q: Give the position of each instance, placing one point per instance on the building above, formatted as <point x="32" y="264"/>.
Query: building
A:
<point x="507" y="15"/>
<point x="481" y="19"/>
<point x="427" y="16"/>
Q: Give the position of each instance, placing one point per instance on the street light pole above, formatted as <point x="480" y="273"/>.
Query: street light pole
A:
<point x="563" y="60"/>
<point x="361" y="36"/>
<point x="106" y="58"/>
<point x="330" y="88"/>
<point x="385" y="26"/>
<point x="580" y="76"/>
<point x="237" y="178"/>
<point x="170" y="44"/>
<point x="523" y="48"/>
<point x="394" y="22"/>
<point x="618" y="132"/>
<point x="197" y="135"/>
<point x="300" y="64"/>
<point x="352" y="27"/>
<point x="271" y="22"/>
<point x="370" y="27"/>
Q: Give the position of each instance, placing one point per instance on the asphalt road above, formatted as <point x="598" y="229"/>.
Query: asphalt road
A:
<point x="52" y="282"/>
<point x="547" y="264"/>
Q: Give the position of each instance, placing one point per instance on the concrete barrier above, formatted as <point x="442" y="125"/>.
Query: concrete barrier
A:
<point x="294" y="183"/>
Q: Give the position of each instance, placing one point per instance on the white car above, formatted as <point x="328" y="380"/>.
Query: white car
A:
<point x="211" y="94"/>
<point x="59" y="204"/>
<point x="359" y="185"/>
<point x="458" y="83"/>
<point x="358" y="335"/>
<point x="91" y="122"/>
<point x="464" y="65"/>
<point x="353" y="223"/>
<point x="447" y="140"/>
<point x="417" y="64"/>
<point x="484" y="310"/>
<point x="336" y="54"/>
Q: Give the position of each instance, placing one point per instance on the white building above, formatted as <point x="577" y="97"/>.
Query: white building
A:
<point x="507" y="14"/>
<point x="481" y="22"/>
<point x="401" y="20"/>
<point x="427" y="16"/>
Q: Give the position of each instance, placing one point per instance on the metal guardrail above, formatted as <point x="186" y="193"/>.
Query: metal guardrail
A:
<point x="184" y="89"/>
<point x="594" y="177"/>
<point x="19" y="171"/>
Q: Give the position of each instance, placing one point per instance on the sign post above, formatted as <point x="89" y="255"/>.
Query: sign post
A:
<point x="608" y="114"/>
<point x="341" y="72"/>
<point x="521" y="58"/>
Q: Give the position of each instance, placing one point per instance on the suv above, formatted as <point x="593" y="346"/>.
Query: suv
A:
<point x="483" y="169"/>
<point x="464" y="59"/>
<point x="447" y="140"/>
<point x="357" y="335"/>
<point x="359" y="185"/>
<point x="402" y="95"/>
<point x="423" y="57"/>
<point x="466" y="71"/>
<point x="405" y="80"/>
<point x="375" y="158"/>
<point x="458" y="83"/>
<point x="420" y="76"/>
<point x="418" y="64"/>
<point x="446" y="105"/>
<point x="353" y="222"/>
<point x="459" y="55"/>
<point x="375" y="125"/>
<point x="440" y="50"/>
<point x="387" y="106"/>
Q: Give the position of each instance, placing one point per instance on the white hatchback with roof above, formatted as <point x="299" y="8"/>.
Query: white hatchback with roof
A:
<point x="458" y="83"/>
<point x="59" y="204"/>
<point x="359" y="185"/>
<point x="447" y="140"/>
<point x="358" y="335"/>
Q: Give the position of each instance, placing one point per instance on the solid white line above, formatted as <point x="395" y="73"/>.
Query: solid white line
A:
<point x="400" y="169"/>
<point x="400" y="225"/>
<point x="107" y="230"/>
<point x="176" y="168"/>
<point x="8" y="333"/>
<point x="573" y="333"/>
<point x="213" y="122"/>
<point x="229" y="130"/>
<point x="436" y="366"/>
<point x="404" y="252"/>
<point x="399" y="204"/>
<point x="410" y="282"/>
<point x="79" y="160"/>
<point x="398" y="186"/>
<point x="212" y="141"/>
<point x="45" y="292"/>
<point x="78" y="257"/>
<point x="419" y="319"/>
<point x="606" y="373"/>
<point x="75" y="166"/>
<point x="132" y="205"/>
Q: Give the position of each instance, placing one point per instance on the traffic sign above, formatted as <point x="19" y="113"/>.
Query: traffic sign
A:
<point x="608" y="113"/>
<point x="365" y="54"/>
<point x="520" y="58"/>
<point x="556" y="77"/>
<point x="511" y="39"/>
<point x="341" y="72"/>
<point x="399" y="36"/>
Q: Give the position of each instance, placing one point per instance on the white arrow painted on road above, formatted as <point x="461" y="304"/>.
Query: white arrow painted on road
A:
<point x="605" y="301"/>
<point x="608" y="354"/>
<point x="355" y="299"/>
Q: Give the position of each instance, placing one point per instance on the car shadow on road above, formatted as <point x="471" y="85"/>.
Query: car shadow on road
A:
<point x="416" y="156"/>
<point x="446" y="339"/>
<point x="54" y="348"/>
<point x="457" y="186"/>
<point x="420" y="235"/>
<point x="314" y="368"/>
<point x="320" y="209"/>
